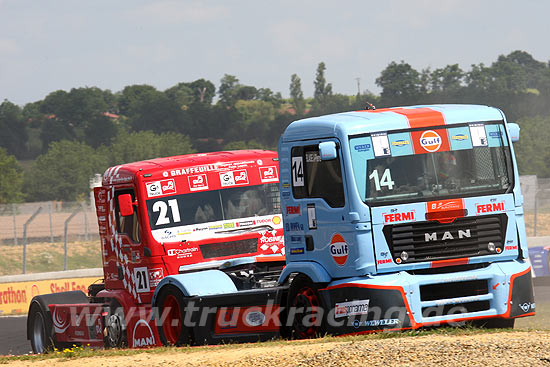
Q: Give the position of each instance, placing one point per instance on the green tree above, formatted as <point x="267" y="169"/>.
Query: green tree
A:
<point x="63" y="173"/>
<point x="531" y="150"/>
<point x="133" y="96"/>
<point x="296" y="95"/>
<point x="142" y="145"/>
<point x="204" y="91"/>
<point x="241" y="144"/>
<point x="400" y="83"/>
<point x="158" y="113"/>
<point x="229" y="85"/>
<point x="446" y="79"/>
<point x="11" y="179"/>
<point x="182" y="95"/>
<point x="322" y="89"/>
<point x="13" y="135"/>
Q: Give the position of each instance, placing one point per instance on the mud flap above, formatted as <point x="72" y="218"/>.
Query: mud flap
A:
<point x="522" y="299"/>
<point x="356" y="309"/>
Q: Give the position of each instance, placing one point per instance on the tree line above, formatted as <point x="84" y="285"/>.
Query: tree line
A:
<point x="64" y="139"/>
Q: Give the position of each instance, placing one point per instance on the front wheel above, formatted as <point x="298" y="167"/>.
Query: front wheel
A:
<point x="170" y="325"/>
<point x="305" y="309"/>
<point x="40" y="330"/>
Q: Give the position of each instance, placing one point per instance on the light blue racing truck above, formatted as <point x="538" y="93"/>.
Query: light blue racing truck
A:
<point x="401" y="218"/>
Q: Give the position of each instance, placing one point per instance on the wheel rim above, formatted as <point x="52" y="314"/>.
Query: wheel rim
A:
<point x="306" y="322"/>
<point x="38" y="333"/>
<point x="172" y="325"/>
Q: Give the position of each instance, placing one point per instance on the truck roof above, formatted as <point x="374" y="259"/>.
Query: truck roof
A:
<point x="126" y="172"/>
<point x="397" y="118"/>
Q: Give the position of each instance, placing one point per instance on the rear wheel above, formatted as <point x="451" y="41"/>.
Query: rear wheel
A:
<point x="40" y="330"/>
<point x="305" y="308"/>
<point x="171" y="309"/>
<point x="115" y="326"/>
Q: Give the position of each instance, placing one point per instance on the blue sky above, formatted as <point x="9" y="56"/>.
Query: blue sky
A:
<point x="51" y="45"/>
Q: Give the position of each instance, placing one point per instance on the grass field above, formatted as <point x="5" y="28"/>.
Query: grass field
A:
<point x="44" y="257"/>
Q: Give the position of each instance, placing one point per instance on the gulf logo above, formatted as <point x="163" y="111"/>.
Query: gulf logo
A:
<point x="338" y="249"/>
<point x="430" y="141"/>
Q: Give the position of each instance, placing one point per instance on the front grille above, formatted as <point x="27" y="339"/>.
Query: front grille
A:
<point x="456" y="309"/>
<point x="229" y="248"/>
<point x="432" y="240"/>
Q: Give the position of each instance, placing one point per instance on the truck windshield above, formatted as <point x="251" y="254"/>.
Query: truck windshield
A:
<point x="213" y="206"/>
<point x="432" y="164"/>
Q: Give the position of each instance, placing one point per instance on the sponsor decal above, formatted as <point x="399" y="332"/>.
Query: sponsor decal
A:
<point x="430" y="141"/>
<point x="294" y="226"/>
<point x="285" y="194"/>
<point x="155" y="276"/>
<point x="293" y="210"/>
<point x="276" y="220"/>
<point x="400" y="143"/>
<point x="254" y="318"/>
<point x="362" y="147"/>
<point x="198" y="182"/>
<point x="60" y="322"/>
<point x="182" y="252"/>
<point x="338" y="249"/>
<point x="215" y="227"/>
<point x="399" y="217"/>
<point x="511" y="247"/>
<point x="190" y="170"/>
<point x="295" y="238"/>
<point x="527" y="306"/>
<point x="245" y="223"/>
<point x="490" y="208"/>
<point x="270" y="239"/>
<point x="453" y="204"/>
<point x="297" y="251"/>
<point x="286" y="185"/>
<point x="344" y="309"/>
<point x="459" y="137"/>
<point x="384" y="261"/>
<point x="371" y="323"/>
<point x="232" y="178"/>
<point x="143" y="335"/>
<point x="269" y="174"/>
<point x="228" y="225"/>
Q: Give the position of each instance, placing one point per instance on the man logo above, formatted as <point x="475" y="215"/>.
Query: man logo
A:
<point x="339" y="249"/>
<point x="143" y="335"/>
<point x="430" y="141"/>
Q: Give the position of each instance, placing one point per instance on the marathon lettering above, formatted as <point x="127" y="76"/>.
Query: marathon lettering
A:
<point x="398" y="217"/>
<point x="490" y="208"/>
<point x="10" y="296"/>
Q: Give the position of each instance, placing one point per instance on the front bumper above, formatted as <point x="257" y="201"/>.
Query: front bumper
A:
<point x="406" y="301"/>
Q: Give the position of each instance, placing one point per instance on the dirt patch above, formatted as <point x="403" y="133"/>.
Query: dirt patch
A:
<point x="526" y="348"/>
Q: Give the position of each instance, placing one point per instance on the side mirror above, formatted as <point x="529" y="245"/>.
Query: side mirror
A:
<point x="125" y="205"/>
<point x="327" y="150"/>
<point x="513" y="130"/>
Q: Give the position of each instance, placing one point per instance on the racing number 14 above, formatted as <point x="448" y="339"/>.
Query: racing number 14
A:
<point x="385" y="181"/>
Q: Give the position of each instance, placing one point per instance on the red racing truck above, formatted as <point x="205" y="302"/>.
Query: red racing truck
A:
<point x="161" y="217"/>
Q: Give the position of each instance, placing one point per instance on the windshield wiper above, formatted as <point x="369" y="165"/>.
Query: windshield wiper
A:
<point x="265" y="227"/>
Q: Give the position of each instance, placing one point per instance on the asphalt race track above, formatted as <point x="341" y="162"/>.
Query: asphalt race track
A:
<point x="13" y="338"/>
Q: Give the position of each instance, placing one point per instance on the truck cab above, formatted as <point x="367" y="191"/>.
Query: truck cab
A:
<point x="417" y="208"/>
<point x="174" y="216"/>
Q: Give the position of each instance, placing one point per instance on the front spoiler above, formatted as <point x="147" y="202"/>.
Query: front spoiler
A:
<point x="400" y="300"/>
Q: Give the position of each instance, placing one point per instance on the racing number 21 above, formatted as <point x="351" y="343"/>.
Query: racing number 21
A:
<point x="162" y="207"/>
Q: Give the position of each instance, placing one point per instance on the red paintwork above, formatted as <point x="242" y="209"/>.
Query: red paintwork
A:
<point x="157" y="178"/>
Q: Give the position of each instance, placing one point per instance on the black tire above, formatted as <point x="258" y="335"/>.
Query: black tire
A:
<point x="171" y="306"/>
<point x="40" y="330"/>
<point x="305" y="308"/>
<point x="495" y="323"/>
<point x="115" y="325"/>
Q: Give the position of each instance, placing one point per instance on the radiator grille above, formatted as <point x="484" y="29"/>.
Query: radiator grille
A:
<point x="432" y="240"/>
<point x="221" y="249"/>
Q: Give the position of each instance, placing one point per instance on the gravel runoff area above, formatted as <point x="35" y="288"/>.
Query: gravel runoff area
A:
<point x="522" y="348"/>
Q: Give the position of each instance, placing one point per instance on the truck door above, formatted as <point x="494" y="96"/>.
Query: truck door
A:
<point x="318" y="211"/>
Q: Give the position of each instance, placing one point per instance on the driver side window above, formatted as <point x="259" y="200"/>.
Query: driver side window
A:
<point x="128" y="225"/>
